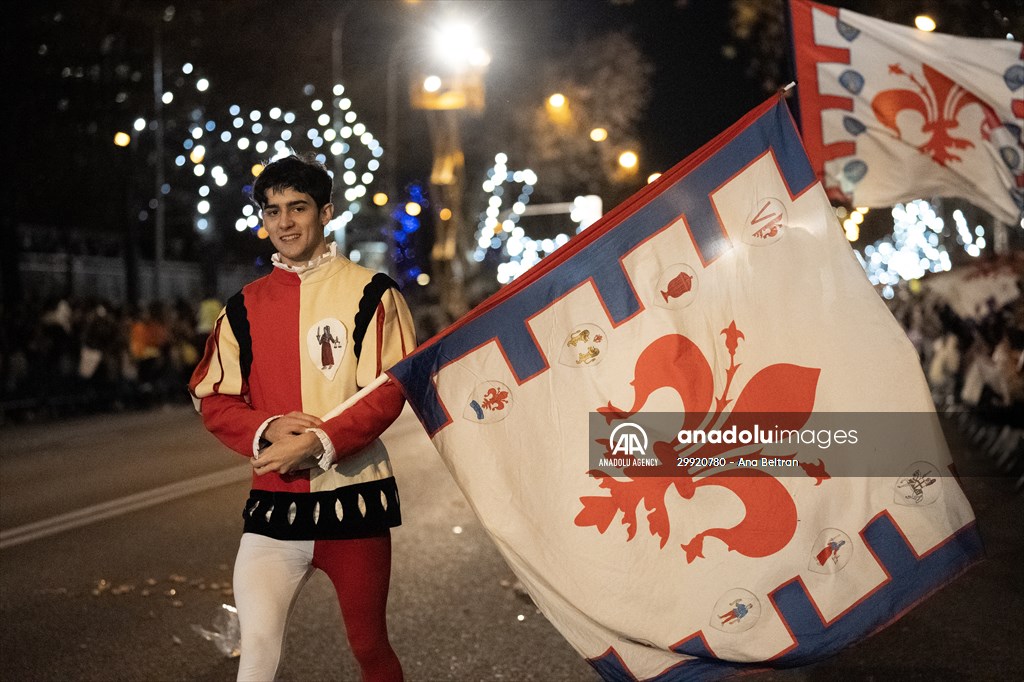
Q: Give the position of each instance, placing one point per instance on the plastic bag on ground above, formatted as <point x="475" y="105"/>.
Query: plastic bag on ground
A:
<point x="225" y="634"/>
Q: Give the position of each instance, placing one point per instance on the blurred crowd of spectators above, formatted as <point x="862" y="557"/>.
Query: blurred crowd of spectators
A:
<point x="975" y="368"/>
<point x="75" y="356"/>
<point x="972" y="363"/>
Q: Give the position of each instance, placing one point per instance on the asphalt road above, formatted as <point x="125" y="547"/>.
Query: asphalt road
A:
<point x="115" y="599"/>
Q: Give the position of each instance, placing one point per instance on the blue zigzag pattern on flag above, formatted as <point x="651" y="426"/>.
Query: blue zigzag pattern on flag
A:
<point x="911" y="579"/>
<point x="687" y="192"/>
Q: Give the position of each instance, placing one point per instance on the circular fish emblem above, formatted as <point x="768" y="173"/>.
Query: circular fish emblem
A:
<point x="585" y="346"/>
<point x="677" y="287"/>
<point x="766" y="223"/>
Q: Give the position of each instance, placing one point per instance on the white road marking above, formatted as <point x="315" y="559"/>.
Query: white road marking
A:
<point x="123" y="505"/>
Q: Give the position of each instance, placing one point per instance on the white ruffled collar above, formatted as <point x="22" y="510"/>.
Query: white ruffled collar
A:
<point x="331" y="254"/>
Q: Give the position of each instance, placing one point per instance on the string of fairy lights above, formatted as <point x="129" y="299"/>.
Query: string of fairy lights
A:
<point x="500" y="236"/>
<point x="226" y="150"/>
<point x="915" y="246"/>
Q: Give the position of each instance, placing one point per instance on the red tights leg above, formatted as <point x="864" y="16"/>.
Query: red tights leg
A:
<point x="361" y="571"/>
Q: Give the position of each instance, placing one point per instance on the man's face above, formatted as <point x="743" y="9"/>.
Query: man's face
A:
<point x="295" y="227"/>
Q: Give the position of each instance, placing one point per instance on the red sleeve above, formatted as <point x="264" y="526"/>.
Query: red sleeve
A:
<point x="232" y="420"/>
<point x="363" y="422"/>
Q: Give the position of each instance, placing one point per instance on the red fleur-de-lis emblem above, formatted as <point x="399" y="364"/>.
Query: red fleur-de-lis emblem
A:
<point x="494" y="399"/>
<point x="939" y="100"/>
<point x="673" y="361"/>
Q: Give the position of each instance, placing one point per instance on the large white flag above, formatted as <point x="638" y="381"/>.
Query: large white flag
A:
<point x="890" y="113"/>
<point x="724" y="298"/>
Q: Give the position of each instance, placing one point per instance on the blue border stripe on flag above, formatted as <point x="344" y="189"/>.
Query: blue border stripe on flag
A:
<point x="595" y="254"/>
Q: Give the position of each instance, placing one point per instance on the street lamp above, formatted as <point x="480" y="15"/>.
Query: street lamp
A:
<point x="924" y="23"/>
<point x="432" y="83"/>
<point x="458" y="46"/>
<point x="455" y="85"/>
<point x="557" y="106"/>
<point x="628" y="159"/>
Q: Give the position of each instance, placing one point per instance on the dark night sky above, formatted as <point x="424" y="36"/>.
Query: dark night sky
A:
<point x="257" y="50"/>
<point x="696" y="92"/>
<point x="262" y="52"/>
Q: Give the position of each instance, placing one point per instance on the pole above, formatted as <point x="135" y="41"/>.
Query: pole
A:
<point x="392" y="122"/>
<point x="391" y="143"/>
<point x="447" y="182"/>
<point x="159" y="178"/>
<point x="337" y="45"/>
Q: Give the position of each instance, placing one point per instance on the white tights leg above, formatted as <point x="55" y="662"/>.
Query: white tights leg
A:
<point x="268" y="576"/>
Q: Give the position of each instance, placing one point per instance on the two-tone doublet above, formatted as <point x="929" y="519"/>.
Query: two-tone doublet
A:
<point x="305" y="340"/>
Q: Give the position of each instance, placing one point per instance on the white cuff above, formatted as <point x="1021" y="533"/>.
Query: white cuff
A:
<point x="327" y="458"/>
<point x="259" y="435"/>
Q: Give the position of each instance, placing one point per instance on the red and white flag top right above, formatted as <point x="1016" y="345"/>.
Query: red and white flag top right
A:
<point x="890" y="113"/>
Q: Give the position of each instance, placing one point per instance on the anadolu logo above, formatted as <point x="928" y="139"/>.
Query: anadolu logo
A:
<point x="629" y="439"/>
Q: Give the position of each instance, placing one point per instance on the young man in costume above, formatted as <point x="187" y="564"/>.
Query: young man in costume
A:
<point x="323" y="494"/>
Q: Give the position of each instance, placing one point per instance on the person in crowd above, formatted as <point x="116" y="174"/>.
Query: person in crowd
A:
<point x="184" y="353"/>
<point x="206" y="316"/>
<point x="150" y="341"/>
<point x="945" y="362"/>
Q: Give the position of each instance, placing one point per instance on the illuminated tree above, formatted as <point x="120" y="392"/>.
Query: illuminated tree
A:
<point x="605" y="82"/>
